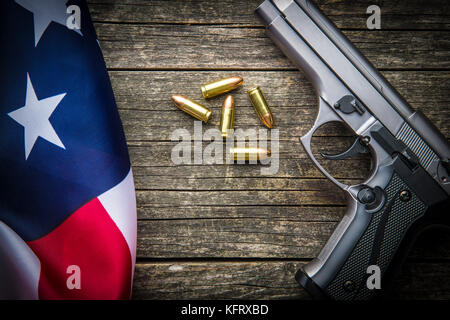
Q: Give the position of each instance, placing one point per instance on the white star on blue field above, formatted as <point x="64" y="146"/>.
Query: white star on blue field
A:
<point x="46" y="12"/>
<point x="35" y="118"/>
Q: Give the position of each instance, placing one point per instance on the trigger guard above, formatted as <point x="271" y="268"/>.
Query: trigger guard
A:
<point x="326" y="114"/>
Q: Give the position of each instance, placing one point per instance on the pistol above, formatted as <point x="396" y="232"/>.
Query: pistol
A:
<point x="408" y="187"/>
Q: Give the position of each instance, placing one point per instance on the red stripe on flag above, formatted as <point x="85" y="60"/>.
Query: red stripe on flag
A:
<point x="90" y="240"/>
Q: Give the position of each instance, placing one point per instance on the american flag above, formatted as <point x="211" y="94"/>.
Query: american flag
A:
<point x="67" y="200"/>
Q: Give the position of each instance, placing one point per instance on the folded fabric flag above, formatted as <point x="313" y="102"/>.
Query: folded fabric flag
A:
<point x="67" y="201"/>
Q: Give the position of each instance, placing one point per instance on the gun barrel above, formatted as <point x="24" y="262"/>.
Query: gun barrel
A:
<point x="347" y="82"/>
<point x="410" y="155"/>
<point x="416" y="119"/>
<point x="350" y="66"/>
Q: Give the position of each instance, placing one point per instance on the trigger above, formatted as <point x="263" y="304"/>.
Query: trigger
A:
<point x="358" y="147"/>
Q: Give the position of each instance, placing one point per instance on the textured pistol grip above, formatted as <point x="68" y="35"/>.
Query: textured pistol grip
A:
<point x="379" y="243"/>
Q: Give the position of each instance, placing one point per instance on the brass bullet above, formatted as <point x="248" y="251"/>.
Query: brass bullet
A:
<point x="227" y="117"/>
<point x="247" y="153"/>
<point x="261" y="106"/>
<point x="191" y="107"/>
<point x="221" y="86"/>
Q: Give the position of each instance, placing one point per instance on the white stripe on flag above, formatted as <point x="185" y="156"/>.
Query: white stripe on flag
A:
<point x="19" y="267"/>
<point x="120" y="203"/>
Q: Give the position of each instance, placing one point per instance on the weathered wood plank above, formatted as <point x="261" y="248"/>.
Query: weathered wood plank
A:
<point x="275" y="280"/>
<point x="216" y="280"/>
<point x="291" y="123"/>
<point x="403" y="14"/>
<point x="231" y="238"/>
<point x="290" y="169"/>
<point x="291" y="213"/>
<point x="220" y="47"/>
<point x="156" y="153"/>
<point x="155" y="126"/>
<point x="151" y="90"/>
<point x="148" y="113"/>
<point x="143" y="182"/>
<point x="256" y="237"/>
<point x="184" y="211"/>
<point x="216" y="198"/>
<point x="153" y="161"/>
<point x="267" y="280"/>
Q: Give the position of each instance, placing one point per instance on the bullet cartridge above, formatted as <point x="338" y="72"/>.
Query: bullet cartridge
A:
<point x="261" y="106"/>
<point x="248" y="153"/>
<point x="227" y="117"/>
<point x="221" y="86"/>
<point x="191" y="107"/>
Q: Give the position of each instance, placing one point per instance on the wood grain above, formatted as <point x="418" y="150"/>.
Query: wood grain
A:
<point x="231" y="238"/>
<point x="267" y="280"/>
<point x="243" y="211"/>
<point x="251" y="237"/>
<point x="224" y="231"/>
<point x="259" y="279"/>
<point x="151" y="90"/>
<point x="143" y="98"/>
<point x="215" y="280"/>
<point x="165" y="47"/>
<point x="400" y="14"/>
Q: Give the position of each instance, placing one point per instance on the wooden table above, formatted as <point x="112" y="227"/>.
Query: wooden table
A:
<point x="225" y="231"/>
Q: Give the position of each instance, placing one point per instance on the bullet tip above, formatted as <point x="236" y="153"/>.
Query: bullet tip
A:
<point x="239" y="80"/>
<point x="178" y="100"/>
<point x="267" y="119"/>
<point x="229" y="102"/>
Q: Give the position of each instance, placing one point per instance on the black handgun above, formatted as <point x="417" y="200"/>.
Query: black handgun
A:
<point x="409" y="186"/>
